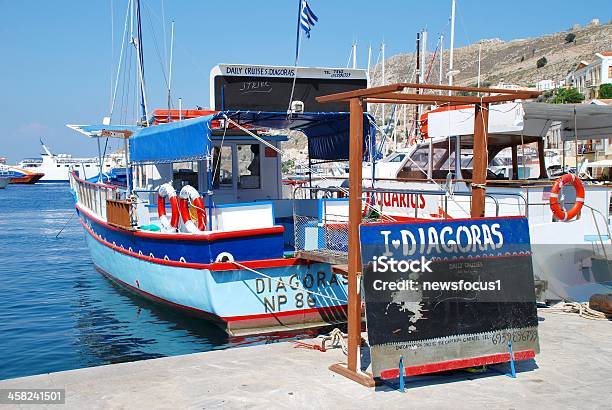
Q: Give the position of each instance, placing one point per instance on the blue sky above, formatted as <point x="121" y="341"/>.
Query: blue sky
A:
<point x="57" y="55"/>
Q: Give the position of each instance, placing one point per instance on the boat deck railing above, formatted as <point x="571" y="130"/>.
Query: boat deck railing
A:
<point x="93" y="196"/>
<point x="325" y="232"/>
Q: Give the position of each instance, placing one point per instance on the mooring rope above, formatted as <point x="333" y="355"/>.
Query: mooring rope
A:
<point x="337" y="338"/>
<point x="582" y="309"/>
<point x="66" y="224"/>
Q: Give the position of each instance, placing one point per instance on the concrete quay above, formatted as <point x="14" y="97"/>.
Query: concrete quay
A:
<point x="573" y="370"/>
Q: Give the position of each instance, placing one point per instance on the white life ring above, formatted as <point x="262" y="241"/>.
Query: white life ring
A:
<point x="167" y="191"/>
<point x="190" y="195"/>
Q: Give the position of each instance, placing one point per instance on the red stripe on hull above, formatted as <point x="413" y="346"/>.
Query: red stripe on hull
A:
<point x="457" y="364"/>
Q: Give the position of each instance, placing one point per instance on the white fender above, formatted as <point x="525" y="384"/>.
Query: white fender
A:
<point x="224" y="257"/>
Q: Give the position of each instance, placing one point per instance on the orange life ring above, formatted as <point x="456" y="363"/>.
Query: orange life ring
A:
<point x="167" y="191"/>
<point x="190" y="194"/>
<point x="555" y="206"/>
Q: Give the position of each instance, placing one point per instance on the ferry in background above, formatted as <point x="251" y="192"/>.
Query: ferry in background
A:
<point x="5" y="176"/>
<point x="56" y="168"/>
<point x="18" y="175"/>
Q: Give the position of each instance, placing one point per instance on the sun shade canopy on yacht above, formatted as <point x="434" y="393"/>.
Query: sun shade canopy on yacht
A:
<point x="187" y="140"/>
<point x="327" y="132"/>
<point x="590" y="120"/>
<point x="525" y="121"/>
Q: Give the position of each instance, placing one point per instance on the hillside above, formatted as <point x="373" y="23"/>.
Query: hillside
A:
<point x="512" y="61"/>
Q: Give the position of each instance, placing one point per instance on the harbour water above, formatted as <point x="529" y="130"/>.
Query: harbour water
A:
<point x="58" y="313"/>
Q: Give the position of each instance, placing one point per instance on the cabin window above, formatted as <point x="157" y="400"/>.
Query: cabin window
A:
<point x="222" y="167"/>
<point x="249" y="166"/>
<point x="397" y="158"/>
<point x="185" y="173"/>
<point x="417" y="165"/>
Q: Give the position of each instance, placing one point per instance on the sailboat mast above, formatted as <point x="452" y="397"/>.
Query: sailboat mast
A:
<point x="382" y="51"/>
<point x="417" y="69"/>
<point x="479" y="56"/>
<point x="170" y="71"/>
<point x="369" y="62"/>
<point x="452" y="46"/>
<point x="138" y="43"/>
<point x="441" y="59"/>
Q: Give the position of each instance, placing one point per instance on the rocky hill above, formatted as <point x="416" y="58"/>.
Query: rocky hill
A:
<point x="512" y="61"/>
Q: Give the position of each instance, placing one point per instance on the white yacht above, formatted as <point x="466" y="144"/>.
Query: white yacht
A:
<point x="57" y="167"/>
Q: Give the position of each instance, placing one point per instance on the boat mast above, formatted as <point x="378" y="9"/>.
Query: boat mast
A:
<point x="369" y="59"/>
<point x="441" y="59"/>
<point x="452" y="47"/>
<point x="138" y="44"/>
<point x="354" y="55"/>
<point x="382" y="52"/>
<point x="170" y="70"/>
<point x="479" y="55"/>
<point x="423" y="74"/>
<point x="417" y="69"/>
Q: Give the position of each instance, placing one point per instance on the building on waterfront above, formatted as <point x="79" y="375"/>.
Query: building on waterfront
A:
<point x="588" y="77"/>
<point x="507" y="86"/>
<point x="592" y="149"/>
<point x="547" y="85"/>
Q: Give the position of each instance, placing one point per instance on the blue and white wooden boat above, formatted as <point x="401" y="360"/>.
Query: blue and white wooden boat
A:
<point x="237" y="268"/>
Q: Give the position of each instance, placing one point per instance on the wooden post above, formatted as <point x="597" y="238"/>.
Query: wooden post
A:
<point x="481" y="158"/>
<point x="541" y="159"/>
<point x="354" y="250"/>
<point x="514" y="149"/>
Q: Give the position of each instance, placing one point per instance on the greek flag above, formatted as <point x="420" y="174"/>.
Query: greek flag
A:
<point x="307" y="18"/>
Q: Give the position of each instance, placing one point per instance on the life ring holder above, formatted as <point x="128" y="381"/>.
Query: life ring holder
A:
<point x="190" y="196"/>
<point x="560" y="213"/>
<point x="167" y="191"/>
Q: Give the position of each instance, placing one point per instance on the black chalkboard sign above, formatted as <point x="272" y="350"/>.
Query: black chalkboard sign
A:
<point x="448" y="294"/>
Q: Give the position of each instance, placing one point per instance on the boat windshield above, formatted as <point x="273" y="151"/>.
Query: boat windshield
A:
<point x="500" y="166"/>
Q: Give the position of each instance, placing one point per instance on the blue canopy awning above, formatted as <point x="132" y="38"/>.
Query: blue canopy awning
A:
<point x="327" y="132"/>
<point x="186" y="140"/>
<point x="189" y="140"/>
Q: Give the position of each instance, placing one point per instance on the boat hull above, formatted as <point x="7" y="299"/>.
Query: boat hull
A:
<point x="4" y="182"/>
<point x="27" y="178"/>
<point x="267" y="296"/>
